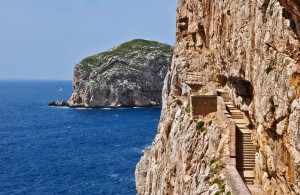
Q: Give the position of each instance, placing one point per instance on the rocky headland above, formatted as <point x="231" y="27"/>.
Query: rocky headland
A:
<point x="129" y="75"/>
<point x="247" y="53"/>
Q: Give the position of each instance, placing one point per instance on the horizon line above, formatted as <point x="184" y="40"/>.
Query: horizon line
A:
<point x="34" y="79"/>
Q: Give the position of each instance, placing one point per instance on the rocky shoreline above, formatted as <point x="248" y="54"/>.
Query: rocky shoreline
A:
<point x="65" y="104"/>
<point x="58" y="104"/>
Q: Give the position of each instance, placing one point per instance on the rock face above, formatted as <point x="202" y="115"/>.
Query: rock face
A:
<point x="131" y="74"/>
<point x="58" y="103"/>
<point x="251" y="47"/>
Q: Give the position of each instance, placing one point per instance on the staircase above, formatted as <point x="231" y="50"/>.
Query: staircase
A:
<point x="245" y="152"/>
<point x="245" y="155"/>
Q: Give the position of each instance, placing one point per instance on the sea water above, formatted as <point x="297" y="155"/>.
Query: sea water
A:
<point x="55" y="150"/>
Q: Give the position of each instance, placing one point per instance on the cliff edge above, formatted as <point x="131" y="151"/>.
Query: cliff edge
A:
<point x="251" y="49"/>
<point x="128" y="75"/>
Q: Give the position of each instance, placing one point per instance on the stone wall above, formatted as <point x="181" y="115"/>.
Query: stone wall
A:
<point x="203" y="104"/>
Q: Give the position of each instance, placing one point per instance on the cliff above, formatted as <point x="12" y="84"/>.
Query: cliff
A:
<point x="251" y="48"/>
<point x="128" y="75"/>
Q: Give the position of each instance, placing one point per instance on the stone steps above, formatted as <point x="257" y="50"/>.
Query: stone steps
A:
<point x="248" y="180"/>
<point x="246" y="161"/>
<point x="245" y="168"/>
<point x="244" y="140"/>
<point x="237" y="115"/>
<point x="249" y="159"/>
<point x="245" y="148"/>
<point x="248" y="164"/>
<point x="244" y="136"/>
<point x="245" y="144"/>
<point x="245" y="151"/>
<point x="242" y="167"/>
<point x="248" y="156"/>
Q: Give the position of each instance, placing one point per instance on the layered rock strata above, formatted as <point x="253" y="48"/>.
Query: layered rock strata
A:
<point x="128" y="75"/>
<point x="251" y="47"/>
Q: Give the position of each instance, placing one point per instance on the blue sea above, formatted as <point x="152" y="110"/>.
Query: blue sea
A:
<point x="55" y="150"/>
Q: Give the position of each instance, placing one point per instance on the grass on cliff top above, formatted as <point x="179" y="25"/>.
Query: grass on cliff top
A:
<point x="136" y="49"/>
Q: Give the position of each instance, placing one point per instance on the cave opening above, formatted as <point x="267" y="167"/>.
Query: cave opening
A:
<point x="241" y="93"/>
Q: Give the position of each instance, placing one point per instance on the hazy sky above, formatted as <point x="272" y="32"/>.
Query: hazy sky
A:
<point x="43" y="39"/>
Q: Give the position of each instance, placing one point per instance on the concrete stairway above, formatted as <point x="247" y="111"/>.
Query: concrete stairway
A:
<point x="245" y="152"/>
<point x="245" y="155"/>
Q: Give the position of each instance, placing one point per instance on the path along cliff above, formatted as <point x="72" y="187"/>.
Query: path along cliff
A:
<point x="251" y="48"/>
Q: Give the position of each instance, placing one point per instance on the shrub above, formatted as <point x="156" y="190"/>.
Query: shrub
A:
<point x="222" y="166"/>
<point x="218" y="181"/>
<point x="209" y="123"/>
<point x="228" y="12"/>
<point x="269" y="69"/>
<point x="265" y="20"/>
<point x="187" y="109"/>
<point x="202" y="129"/>
<point x="200" y="126"/>
<point x="223" y="188"/>
<point x="212" y="161"/>
<point x="197" y="182"/>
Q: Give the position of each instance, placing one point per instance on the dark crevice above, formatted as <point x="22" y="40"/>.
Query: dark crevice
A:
<point x="195" y="87"/>
<point x="291" y="12"/>
<point x="221" y="80"/>
<point x="265" y="7"/>
<point x="243" y="87"/>
<point x="202" y="33"/>
<point x="289" y="16"/>
<point x="194" y="36"/>
<point x="183" y="23"/>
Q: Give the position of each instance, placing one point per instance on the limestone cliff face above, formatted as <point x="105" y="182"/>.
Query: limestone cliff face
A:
<point x="252" y="47"/>
<point x="131" y="74"/>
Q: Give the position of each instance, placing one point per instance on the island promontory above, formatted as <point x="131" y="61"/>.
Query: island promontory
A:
<point x="131" y="74"/>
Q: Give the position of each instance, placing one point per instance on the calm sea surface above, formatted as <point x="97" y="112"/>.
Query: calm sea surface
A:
<point x="48" y="150"/>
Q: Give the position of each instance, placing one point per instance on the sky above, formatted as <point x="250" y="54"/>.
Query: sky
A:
<point x="44" y="39"/>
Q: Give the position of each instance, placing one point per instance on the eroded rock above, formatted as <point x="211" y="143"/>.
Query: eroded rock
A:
<point x="252" y="47"/>
<point x="128" y="75"/>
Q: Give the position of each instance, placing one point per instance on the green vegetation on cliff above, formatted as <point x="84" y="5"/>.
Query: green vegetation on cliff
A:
<point x="138" y="51"/>
<point x="131" y="74"/>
